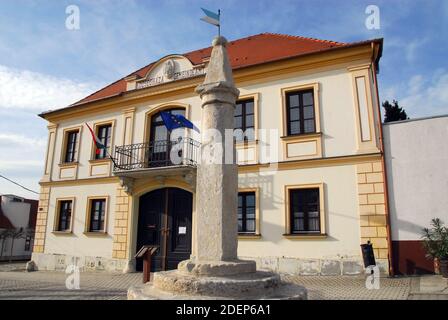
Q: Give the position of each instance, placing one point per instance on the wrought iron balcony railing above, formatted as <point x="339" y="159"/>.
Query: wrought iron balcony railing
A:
<point x="183" y="152"/>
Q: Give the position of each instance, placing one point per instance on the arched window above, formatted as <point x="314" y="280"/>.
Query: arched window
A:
<point x="158" y="130"/>
<point x="160" y="139"/>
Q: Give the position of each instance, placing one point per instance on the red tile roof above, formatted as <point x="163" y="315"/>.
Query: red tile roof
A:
<point x="245" y="52"/>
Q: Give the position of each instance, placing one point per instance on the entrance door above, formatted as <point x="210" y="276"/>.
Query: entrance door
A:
<point x="165" y="221"/>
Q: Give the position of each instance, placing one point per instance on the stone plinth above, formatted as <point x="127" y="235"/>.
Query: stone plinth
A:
<point x="174" y="285"/>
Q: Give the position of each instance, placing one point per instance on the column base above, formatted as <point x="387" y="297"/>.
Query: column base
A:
<point x="216" y="268"/>
<point x="176" y="285"/>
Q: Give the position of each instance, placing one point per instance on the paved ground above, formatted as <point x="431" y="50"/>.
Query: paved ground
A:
<point x="352" y="288"/>
<point x="15" y="283"/>
<point x="51" y="285"/>
<point x="429" y="288"/>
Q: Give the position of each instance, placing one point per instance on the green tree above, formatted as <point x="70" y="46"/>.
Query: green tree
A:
<point x="393" y="112"/>
<point x="435" y="240"/>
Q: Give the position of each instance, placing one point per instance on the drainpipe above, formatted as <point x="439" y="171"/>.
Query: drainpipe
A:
<point x="386" y="188"/>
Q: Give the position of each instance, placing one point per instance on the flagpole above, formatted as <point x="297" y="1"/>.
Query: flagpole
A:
<point x="219" y="25"/>
<point x="112" y="159"/>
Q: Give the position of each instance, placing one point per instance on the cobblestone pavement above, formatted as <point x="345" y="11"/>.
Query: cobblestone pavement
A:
<point x="429" y="288"/>
<point x="352" y="288"/>
<point x="12" y="266"/>
<point x="49" y="285"/>
<point x="46" y="285"/>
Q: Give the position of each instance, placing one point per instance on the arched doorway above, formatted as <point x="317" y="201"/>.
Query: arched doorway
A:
<point x="165" y="220"/>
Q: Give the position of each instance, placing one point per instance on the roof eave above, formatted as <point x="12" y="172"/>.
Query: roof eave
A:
<point x="378" y="41"/>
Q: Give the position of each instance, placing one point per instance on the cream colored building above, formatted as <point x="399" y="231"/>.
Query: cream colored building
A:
<point x="304" y="209"/>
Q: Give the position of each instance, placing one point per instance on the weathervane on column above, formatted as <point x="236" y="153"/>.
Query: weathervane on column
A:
<point x="212" y="18"/>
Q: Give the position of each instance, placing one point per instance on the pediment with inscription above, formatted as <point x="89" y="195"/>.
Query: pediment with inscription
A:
<point x="168" y="69"/>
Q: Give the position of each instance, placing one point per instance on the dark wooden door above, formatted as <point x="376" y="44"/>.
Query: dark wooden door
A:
<point x="165" y="221"/>
<point x="151" y="210"/>
<point x="180" y="209"/>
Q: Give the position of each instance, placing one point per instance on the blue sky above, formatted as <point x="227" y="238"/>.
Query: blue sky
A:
<point x="43" y="65"/>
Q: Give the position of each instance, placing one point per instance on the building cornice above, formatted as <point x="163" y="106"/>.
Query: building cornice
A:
<point x="247" y="168"/>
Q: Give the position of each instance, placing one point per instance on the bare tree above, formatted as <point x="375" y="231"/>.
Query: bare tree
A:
<point x="16" y="233"/>
<point x="4" y="235"/>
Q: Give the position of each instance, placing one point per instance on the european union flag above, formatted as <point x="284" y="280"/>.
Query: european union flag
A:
<point x="174" y="121"/>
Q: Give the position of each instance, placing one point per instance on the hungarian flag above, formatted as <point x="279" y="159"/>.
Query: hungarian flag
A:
<point x="99" y="145"/>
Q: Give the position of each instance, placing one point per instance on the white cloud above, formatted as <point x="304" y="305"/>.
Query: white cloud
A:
<point x="14" y="164"/>
<point x="16" y="139"/>
<point x="24" y="89"/>
<point x="412" y="48"/>
<point x="22" y="138"/>
<point x="22" y="160"/>
<point x="425" y="96"/>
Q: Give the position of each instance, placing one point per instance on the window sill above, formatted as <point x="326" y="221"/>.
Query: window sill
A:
<point x="68" y="164"/>
<point x="104" y="160"/>
<point x="249" y="236"/>
<point x="305" y="236"/>
<point x="62" y="233"/>
<point x="95" y="233"/>
<point x="245" y="143"/>
<point x="302" y="135"/>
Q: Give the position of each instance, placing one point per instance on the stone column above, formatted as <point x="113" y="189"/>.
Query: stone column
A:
<point x="217" y="182"/>
<point x="216" y="225"/>
<point x="214" y="271"/>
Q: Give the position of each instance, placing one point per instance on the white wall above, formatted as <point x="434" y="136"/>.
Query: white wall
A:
<point x="78" y="242"/>
<point x="417" y="170"/>
<point x="341" y="214"/>
<point x="337" y="114"/>
<point x="339" y="138"/>
<point x="336" y="107"/>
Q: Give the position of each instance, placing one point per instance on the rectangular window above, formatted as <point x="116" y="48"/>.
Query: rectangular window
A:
<point x="104" y="133"/>
<point x="300" y="112"/>
<point x="27" y="243"/>
<point x="244" y="120"/>
<point x="97" y="215"/>
<point x="65" y="215"/>
<point x="246" y="212"/>
<point x="304" y="210"/>
<point x="71" y="147"/>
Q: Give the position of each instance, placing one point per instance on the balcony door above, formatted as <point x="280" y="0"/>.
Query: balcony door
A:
<point x="160" y="140"/>
<point x="165" y="221"/>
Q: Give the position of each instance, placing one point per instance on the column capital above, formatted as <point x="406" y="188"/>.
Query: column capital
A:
<point x="218" y="86"/>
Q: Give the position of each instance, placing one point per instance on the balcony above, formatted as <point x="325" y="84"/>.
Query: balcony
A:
<point x="156" y="158"/>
